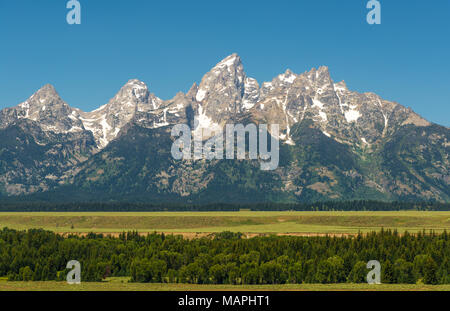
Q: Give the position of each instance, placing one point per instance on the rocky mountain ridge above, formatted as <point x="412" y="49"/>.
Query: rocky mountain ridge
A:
<point x="222" y="96"/>
<point x="63" y="143"/>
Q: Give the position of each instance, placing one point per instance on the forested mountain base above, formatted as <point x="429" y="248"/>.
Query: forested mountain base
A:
<point x="43" y="206"/>
<point x="226" y="258"/>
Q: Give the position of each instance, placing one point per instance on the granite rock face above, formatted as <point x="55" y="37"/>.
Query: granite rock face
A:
<point x="335" y="143"/>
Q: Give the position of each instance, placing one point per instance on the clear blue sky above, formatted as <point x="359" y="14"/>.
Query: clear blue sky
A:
<point x="171" y="44"/>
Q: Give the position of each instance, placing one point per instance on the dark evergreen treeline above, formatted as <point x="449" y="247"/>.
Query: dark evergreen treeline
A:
<point x="227" y="258"/>
<point x="144" y="207"/>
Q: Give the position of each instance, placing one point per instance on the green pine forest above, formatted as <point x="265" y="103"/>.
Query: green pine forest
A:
<point x="226" y="258"/>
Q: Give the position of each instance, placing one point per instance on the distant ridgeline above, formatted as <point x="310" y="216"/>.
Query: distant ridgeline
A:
<point x="149" y="207"/>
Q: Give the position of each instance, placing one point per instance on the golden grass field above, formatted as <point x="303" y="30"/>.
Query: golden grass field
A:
<point x="194" y="224"/>
<point x="121" y="284"/>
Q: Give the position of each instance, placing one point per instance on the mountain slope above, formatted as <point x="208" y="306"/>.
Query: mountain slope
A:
<point x="334" y="143"/>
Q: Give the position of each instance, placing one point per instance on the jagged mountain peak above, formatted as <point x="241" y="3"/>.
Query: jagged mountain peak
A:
<point x="107" y="121"/>
<point x="46" y="95"/>
<point x="47" y="88"/>
<point x="233" y="60"/>
<point x="133" y="89"/>
<point x="135" y="82"/>
<point x="222" y="90"/>
<point x="136" y="85"/>
<point x="319" y="70"/>
<point x="341" y="86"/>
<point x="287" y="78"/>
<point x="322" y="74"/>
<point x="47" y="108"/>
<point x="323" y="70"/>
<point x="230" y="68"/>
<point x="133" y="96"/>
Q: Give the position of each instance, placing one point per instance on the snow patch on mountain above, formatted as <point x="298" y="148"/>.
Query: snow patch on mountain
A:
<point x="317" y="103"/>
<point x="352" y="115"/>
<point x="201" y="95"/>
<point x="251" y="93"/>
<point x="287" y="77"/>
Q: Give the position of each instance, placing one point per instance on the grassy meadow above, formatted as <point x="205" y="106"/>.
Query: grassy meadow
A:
<point x="122" y="284"/>
<point x="201" y="223"/>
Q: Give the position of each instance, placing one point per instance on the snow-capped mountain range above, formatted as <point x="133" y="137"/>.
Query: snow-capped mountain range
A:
<point x="223" y="94"/>
<point x="361" y="122"/>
